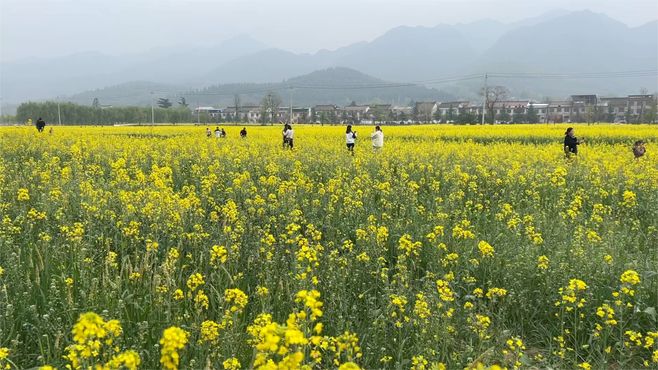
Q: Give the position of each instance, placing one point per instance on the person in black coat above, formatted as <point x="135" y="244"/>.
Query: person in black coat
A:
<point x="41" y="124"/>
<point x="639" y="149"/>
<point x="571" y="142"/>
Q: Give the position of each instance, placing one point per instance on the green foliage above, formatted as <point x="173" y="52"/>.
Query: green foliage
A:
<point x="531" y="115"/>
<point x="164" y="103"/>
<point x="74" y="114"/>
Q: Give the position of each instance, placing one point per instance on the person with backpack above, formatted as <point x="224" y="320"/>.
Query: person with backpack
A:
<point x="350" y="139"/>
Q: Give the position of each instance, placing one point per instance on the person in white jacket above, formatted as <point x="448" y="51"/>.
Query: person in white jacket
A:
<point x="377" y="138"/>
<point x="350" y="139"/>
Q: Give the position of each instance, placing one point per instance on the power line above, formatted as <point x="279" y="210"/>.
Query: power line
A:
<point x="580" y="75"/>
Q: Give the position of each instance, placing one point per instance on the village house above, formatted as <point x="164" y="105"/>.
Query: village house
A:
<point x="325" y="113"/>
<point x="356" y="113"/>
<point x="448" y="111"/>
<point x="577" y="108"/>
<point x="209" y="111"/>
<point x="381" y="112"/>
<point x="402" y="113"/>
<point x="299" y="115"/>
<point x="505" y="110"/>
<point x="559" y="111"/>
<point x="616" y="108"/>
<point x="246" y="113"/>
<point x="425" y="111"/>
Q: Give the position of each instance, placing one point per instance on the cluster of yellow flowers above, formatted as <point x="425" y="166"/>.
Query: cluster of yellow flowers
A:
<point x="95" y="345"/>
<point x="173" y="340"/>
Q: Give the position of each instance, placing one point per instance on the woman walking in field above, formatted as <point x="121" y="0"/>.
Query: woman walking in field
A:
<point x="571" y="142"/>
<point x="350" y="138"/>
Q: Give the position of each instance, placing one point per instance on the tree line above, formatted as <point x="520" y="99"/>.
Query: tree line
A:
<point x="76" y="114"/>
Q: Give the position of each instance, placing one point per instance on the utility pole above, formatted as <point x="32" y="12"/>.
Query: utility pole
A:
<point x="290" y="118"/>
<point x="59" y="114"/>
<point x="152" y="110"/>
<point x="486" y="96"/>
<point x="198" y="114"/>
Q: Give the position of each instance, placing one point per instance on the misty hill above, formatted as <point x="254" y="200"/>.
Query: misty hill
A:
<point x="401" y="54"/>
<point x="38" y="78"/>
<point x="412" y="53"/>
<point x="264" y="66"/>
<point x="578" y="42"/>
<point x="330" y="86"/>
<point x="129" y="93"/>
<point x="557" y="42"/>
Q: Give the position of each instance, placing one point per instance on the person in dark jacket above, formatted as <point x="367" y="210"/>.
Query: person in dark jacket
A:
<point x="41" y="124"/>
<point x="571" y="142"/>
<point x="639" y="149"/>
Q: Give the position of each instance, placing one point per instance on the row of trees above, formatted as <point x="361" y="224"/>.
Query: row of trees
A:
<point x="75" y="114"/>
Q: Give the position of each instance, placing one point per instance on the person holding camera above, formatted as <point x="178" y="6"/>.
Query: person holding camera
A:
<point x="350" y="138"/>
<point x="571" y="142"/>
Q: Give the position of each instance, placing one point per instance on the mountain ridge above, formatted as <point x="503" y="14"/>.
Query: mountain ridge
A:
<point x="556" y="42"/>
<point x="325" y="86"/>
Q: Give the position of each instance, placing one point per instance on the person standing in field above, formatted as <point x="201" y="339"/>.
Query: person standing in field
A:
<point x="41" y="124"/>
<point x="288" y="136"/>
<point x="208" y="133"/>
<point x="377" y="138"/>
<point x="223" y="134"/>
<point x="639" y="149"/>
<point x="218" y="133"/>
<point x="243" y="133"/>
<point x="571" y="142"/>
<point x="350" y="138"/>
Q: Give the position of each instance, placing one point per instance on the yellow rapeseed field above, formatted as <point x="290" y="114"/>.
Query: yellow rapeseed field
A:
<point x="452" y="247"/>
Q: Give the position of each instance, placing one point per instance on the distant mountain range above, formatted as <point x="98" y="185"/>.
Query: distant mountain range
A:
<point x="38" y="78"/>
<point x="339" y="86"/>
<point x="558" y="42"/>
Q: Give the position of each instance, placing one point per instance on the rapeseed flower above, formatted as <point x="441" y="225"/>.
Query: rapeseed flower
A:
<point x="173" y="340"/>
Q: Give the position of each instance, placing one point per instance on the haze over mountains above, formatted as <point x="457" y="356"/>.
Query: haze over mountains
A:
<point x="557" y="42"/>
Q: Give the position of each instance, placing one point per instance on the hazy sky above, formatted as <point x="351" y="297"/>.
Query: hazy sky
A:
<point x="59" y="27"/>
